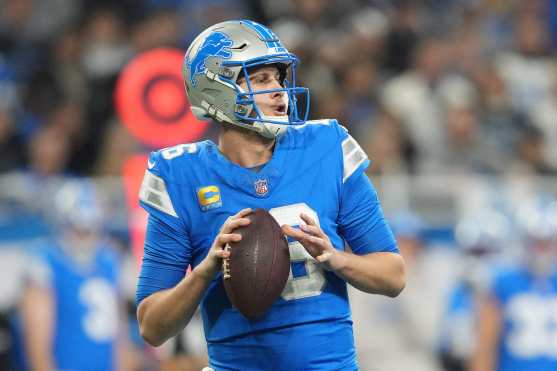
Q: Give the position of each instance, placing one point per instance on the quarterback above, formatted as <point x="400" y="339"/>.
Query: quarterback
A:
<point x="308" y="174"/>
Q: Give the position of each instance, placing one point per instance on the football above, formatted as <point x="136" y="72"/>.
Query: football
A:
<point x="257" y="269"/>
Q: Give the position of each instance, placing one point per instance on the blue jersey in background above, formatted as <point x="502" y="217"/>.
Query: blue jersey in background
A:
<point x="85" y="298"/>
<point x="528" y="305"/>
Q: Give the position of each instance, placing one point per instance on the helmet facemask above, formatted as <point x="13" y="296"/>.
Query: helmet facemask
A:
<point x="296" y="98"/>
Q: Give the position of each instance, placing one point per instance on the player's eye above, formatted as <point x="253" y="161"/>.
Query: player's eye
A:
<point x="261" y="78"/>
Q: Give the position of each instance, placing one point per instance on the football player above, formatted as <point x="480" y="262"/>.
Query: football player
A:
<point x="70" y="308"/>
<point x="308" y="174"/>
<point x="482" y="237"/>
<point x="518" y="315"/>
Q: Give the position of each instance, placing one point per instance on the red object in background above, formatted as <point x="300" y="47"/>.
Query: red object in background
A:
<point x="151" y="101"/>
<point x="133" y="171"/>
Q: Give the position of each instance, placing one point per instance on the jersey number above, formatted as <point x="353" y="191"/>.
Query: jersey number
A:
<point x="534" y="331"/>
<point x="100" y="321"/>
<point x="311" y="280"/>
<point x="178" y="150"/>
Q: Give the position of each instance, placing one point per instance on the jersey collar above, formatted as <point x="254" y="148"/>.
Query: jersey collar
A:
<point x="246" y="179"/>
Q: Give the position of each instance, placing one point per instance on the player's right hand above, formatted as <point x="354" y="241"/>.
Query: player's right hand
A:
<point x="212" y="263"/>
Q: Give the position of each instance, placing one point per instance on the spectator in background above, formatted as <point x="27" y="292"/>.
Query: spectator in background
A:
<point x="528" y="69"/>
<point x="544" y="117"/>
<point x="407" y="21"/>
<point x="105" y="46"/>
<point x="388" y="146"/>
<point x="65" y="65"/>
<point x="530" y="154"/>
<point x="367" y="29"/>
<point x="158" y="29"/>
<point x="501" y="123"/>
<point x="11" y="152"/>
<point x="463" y="137"/>
<point x="26" y="20"/>
<point x="467" y="42"/>
<point x="10" y="144"/>
<point x="74" y="282"/>
<point x="359" y="83"/>
<point x="414" y="98"/>
<point x="78" y="53"/>
<point x="48" y="152"/>
<point x="317" y="14"/>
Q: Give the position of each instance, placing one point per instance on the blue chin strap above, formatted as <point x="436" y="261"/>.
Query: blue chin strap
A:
<point x="292" y="91"/>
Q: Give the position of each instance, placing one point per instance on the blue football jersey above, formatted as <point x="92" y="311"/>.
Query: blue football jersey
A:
<point x="86" y="309"/>
<point x="190" y="190"/>
<point x="529" y="309"/>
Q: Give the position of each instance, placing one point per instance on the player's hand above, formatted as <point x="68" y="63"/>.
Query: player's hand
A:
<point x="316" y="243"/>
<point x="213" y="261"/>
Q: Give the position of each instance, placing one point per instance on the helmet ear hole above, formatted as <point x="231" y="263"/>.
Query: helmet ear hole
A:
<point x="241" y="75"/>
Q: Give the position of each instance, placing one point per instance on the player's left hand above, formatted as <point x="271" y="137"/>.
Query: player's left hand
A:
<point x="316" y="243"/>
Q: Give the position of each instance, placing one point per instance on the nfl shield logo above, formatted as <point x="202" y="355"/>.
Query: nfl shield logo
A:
<point x="261" y="187"/>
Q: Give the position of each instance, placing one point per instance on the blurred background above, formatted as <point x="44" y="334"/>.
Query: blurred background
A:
<point x="455" y="102"/>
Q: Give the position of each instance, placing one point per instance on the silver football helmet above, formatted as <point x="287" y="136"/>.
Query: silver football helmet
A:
<point x="226" y="51"/>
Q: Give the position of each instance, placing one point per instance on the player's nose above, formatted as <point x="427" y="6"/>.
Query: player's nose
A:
<point x="277" y="94"/>
<point x="275" y="84"/>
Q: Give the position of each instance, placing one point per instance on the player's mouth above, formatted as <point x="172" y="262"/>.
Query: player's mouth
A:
<point x="279" y="110"/>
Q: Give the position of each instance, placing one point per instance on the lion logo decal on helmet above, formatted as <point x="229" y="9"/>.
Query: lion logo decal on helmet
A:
<point x="216" y="45"/>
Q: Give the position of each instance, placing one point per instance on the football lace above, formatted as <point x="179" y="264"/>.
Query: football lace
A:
<point x="226" y="264"/>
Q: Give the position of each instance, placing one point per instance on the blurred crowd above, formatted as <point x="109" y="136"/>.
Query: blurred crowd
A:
<point x="438" y="90"/>
<point x="426" y="86"/>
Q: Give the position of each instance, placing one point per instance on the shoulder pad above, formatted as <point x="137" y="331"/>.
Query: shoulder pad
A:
<point x="327" y="128"/>
<point x="354" y="158"/>
<point x="162" y="169"/>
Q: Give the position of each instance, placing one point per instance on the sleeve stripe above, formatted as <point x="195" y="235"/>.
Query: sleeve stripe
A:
<point x="353" y="156"/>
<point x="153" y="192"/>
<point x="348" y="145"/>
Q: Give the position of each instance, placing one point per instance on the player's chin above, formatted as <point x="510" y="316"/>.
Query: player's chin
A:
<point x="276" y="114"/>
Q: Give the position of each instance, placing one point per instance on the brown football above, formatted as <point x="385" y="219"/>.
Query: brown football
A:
<point x="258" y="267"/>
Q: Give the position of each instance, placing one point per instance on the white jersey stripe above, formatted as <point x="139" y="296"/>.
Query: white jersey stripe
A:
<point x="353" y="156"/>
<point x="153" y="192"/>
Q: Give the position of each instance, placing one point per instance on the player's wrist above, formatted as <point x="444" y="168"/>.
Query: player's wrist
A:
<point x="206" y="270"/>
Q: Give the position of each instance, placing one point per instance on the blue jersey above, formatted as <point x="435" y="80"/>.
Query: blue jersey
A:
<point x="190" y="190"/>
<point x="86" y="310"/>
<point x="529" y="309"/>
<point x="457" y="327"/>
